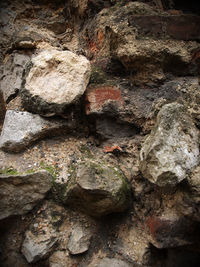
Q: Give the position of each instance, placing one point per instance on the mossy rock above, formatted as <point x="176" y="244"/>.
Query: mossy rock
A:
<point x="96" y="189"/>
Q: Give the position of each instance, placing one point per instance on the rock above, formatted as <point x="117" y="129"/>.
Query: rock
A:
<point x="165" y="26"/>
<point x="20" y="193"/>
<point x="54" y="80"/>
<point x="79" y="241"/>
<point x="43" y="233"/>
<point x="150" y="60"/>
<point x="95" y="188"/>
<point x="169" y="230"/>
<point x="107" y="262"/>
<point x="21" y="129"/>
<point x="12" y="74"/>
<point x="172" y="148"/>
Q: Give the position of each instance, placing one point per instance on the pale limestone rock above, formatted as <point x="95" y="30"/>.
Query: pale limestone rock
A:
<point x="21" y="129"/>
<point x="20" y="193"/>
<point x="172" y="148"/>
<point x="54" y="80"/>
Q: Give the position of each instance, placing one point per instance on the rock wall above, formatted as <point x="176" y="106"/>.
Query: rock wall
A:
<point x="99" y="144"/>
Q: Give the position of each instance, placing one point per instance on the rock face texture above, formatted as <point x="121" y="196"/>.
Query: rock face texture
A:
<point x="21" y="129"/>
<point x="172" y="149"/>
<point x="11" y="80"/>
<point x="99" y="133"/>
<point x="20" y="193"/>
<point x="54" y="80"/>
<point x="96" y="188"/>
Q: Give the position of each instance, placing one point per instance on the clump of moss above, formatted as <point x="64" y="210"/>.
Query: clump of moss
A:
<point x="8" y="171"/>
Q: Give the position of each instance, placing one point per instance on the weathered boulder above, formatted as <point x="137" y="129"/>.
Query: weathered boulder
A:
<point x="20" y="193"/>
<point x="79" y="241"/>
<point x="21" y="129"/>
<point x="95" y="188"/>
<point x="172" y="148"/>
<point x="43" y="233"/>
<point x="11" y="80"/>
<point x="54" y="80"/>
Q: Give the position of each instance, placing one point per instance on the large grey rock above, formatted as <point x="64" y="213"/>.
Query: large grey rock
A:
<point x="43" y="233"/>
<point x="19" y="193"/>
<point x="172" y="148"/>
<point x="21" y="129"/>
<point x="79" y="240"/>
<point x="11" y="80"/>
<point x="95" y="188"/>
<point x="54" y="80"/>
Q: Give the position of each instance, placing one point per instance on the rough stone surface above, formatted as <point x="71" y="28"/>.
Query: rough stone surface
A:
<point x="53" y="81"/>
<point x="20" y="193"/>
<point x="169" y="230"/>
<point x="107" y="262"/>
<point x="21" y="129"/>
<point x="43" y="233"/>
<point x="11" y="80"/>
<point x="172" y="149"/>
<point x="96" y="188"/>
<point x="79" y="241"/>
<point x="150" y="60"/>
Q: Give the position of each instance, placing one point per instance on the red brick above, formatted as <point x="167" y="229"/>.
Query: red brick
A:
<point x="97" y="97"/>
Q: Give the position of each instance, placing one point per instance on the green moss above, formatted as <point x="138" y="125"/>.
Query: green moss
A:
<point x="54" y="171"/>
<point x="8" y="171"/>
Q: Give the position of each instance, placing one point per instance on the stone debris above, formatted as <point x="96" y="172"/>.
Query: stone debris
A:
<point x="172" y="148"/>
<point x="20" y="193"/>
<point x="54" y="80"/>
<point x="21" y="129"/>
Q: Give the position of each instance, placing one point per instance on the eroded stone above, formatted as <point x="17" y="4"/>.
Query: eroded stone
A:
<point x="20" y="193"/>
<point x="21" y="129"/>
<point x="54" y="80"/>
<point x="172" y="149"/>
